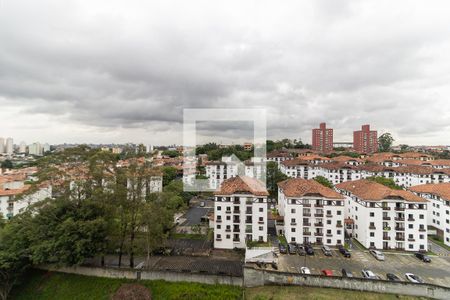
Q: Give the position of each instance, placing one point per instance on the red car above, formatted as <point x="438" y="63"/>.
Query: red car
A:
<point x="327" y="272"/>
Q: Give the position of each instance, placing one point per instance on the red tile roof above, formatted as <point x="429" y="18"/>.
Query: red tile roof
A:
<point x="298" y="187"/>
<point x="242" y="185"/>
<point x="440" y="189"/>
<point x="370" y="190"/>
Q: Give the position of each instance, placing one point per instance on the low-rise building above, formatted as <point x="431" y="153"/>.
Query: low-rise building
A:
<point x="438" y="208"/>
<point x="240" y="211"/>
<point x="385" y="218"/>
<point x="312" y="212"/>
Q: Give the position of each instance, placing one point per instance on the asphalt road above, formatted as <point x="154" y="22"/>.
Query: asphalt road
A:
<point x="436" y="272"/>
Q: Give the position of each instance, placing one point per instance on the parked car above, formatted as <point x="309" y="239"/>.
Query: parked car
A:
<point x="282" y="248"/>
<point x="292" y="248"/>
<point x="305" y="270"/>
<point x="309" y="249"/>
<point x="344" y="251"/>
<point x="202" y="204"/>
<point x="327" y="272"/>
<point x="413" y="278"/>
<point x="392" y="277"/>
<point x="326" y="250"/>
<point x="346" y="273"/>
<point x="423" y="257"/>
<point x="301" y="250"/>
<point x="369" y="274"/>
<point x="377" y="254"/>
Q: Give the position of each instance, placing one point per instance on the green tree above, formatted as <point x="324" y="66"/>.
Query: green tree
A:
<point x="386" y="182"/>
<point x="323" y="181"/>
<point x="171" y="153"/>
<point x="385" y="142"/>
<point x="274" y="176"/>
<point x="7" y="164"/>
<point x="169" y="174"/>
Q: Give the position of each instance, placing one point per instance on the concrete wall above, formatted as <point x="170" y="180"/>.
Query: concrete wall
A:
<point x="148" y="275"/>
<point x="253" y="277"/>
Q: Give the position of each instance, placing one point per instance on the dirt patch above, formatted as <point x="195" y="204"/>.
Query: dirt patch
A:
<point x="132" y="291"/>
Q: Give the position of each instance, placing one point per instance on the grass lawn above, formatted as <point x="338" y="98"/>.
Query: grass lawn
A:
<point x="310" y="293"/>
<point x="52" y="285"/>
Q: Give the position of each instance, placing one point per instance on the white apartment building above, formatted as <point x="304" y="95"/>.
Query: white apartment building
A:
<point x="2" y="145"/>
<point x="338" y="171"/>
<point x="231" y="166"/>
<point x="12" y="203"/>
<point x="384" y="218"/>
<point x="279" y="156"/>
<point x="240" y="213"/>
<point x="312" y="212"/>
<point x="9" y="146"/>
<point x="439" y="207"/>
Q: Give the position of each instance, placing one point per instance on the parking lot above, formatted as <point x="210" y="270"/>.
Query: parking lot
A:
<point x="436" y="272"/>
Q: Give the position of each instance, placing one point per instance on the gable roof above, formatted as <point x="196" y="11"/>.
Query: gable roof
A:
<point x="370" y="190"/>
<point x="242" y="185"/>
<point x="298" y="187"/>
<point x="440" y="189"/>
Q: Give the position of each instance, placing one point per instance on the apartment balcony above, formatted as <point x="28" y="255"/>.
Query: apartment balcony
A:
<point x="237" y="221"/>
<point x="400" y="209"/>
<point x="329" y="216"/>
<point x="293" y="224"/>
<point x="411" y="240"/>
<point x="248" y="221"/>
<point x="307" y="214"/>
<point x="386" y="238"/>
<point x="339" y="225"/>
<point x="386" y="208"/>
<point x="236" y="240"/>
<point x="386" y="218"/>
<point x="400" y="238"/>
<point x="329" y="235"/>
<point x="218" y="239"/>
<point x="248" y="230"/>
<point x="236" y="230"/>
<point x="236" y="211"/>
<point x="372" y="227"/>
<point x="318" y="224"/>
<point x="228" y="230"/>
<point x="387" y="228"/>
<point x="307" y="233"/>
<point x="306" y="224"/>
<point x="399" y="219"/>
<point x="318" y="233"/>
<point x="318" y="215"/>
<point x="399" y="228"/>
<point x="260" y="222"/>
<point x="318" y="205"/>
<point x="219" y="220"/>
<point x="228" y="211"/>
<point x="422" y="229"/>
<point x="248" y="212"/>
<point x="306" y="205"/>
<point x="411" y="219"/>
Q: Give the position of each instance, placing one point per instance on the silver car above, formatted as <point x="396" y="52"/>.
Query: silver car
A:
<point x="377" y="254"/>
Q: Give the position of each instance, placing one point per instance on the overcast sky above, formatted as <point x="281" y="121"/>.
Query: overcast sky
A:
<point x="122" y="71"/>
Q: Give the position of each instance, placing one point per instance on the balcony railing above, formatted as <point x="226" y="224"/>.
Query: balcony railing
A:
<point x="318" y="233"/>
<point x="329" y="215"/>
<point x="318" y="215"/>
<point x="236" y="230"/>
<point x="400" y="228"/>
<point x="422" y="229"/>
<point x="399" y="219"/>
<point x="228" y="211"/>
<point x="219" y="220"/>
<point x="318" y="205"/>
<point x="307" y="214"/>
<point x="386" y="238"/>
<point x="306" y="224"/>
<point x="386" y="218"/>
<point x="338" y="225"/>
<point x="306" y="232"/>
<point x="399" y="238"/>
<point x="411" y="219"/>
<point x="386" y="208"/>
<point x="318" y="224"/>
<point x="399" y="208"/>
<point x="307" y="205"/>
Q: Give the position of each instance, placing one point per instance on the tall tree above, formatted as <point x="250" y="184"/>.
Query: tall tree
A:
<point x="385" y="142"/>
<point x="274" y="175"/>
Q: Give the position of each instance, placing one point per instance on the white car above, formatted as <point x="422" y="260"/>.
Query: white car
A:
<point x="377" y="254"/>
<point x="305" y="270"/>
<point x="369" y="274"/>
<point x="413" y="278"/>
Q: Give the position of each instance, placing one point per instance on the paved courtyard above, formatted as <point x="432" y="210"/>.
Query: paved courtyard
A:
<point x="436" y="272"/>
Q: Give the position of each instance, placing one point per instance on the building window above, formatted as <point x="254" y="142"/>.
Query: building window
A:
<point x="372" y="234"/>
<point x="261" y="209"/>
<point x="218" y="226"/>
<point x="421" y="217"/>
<point x="410" y="246"/>
<point x="219" y="208"/>
<point x="339" y="212"/>
<point x="293" y="210"/>
<point x="372" y="214"/>
<point x="293" y="239"/>
<point x="328" y="241"/>
<point x="261" y="228"/>
<point x="292" y="229"/>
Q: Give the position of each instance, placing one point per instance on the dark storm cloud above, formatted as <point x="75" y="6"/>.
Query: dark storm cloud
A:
<point x="111" y="66"/>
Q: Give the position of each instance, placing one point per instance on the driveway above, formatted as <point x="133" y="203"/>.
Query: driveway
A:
<point x="436" y="272"/>
<point x="438" y="249"/>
